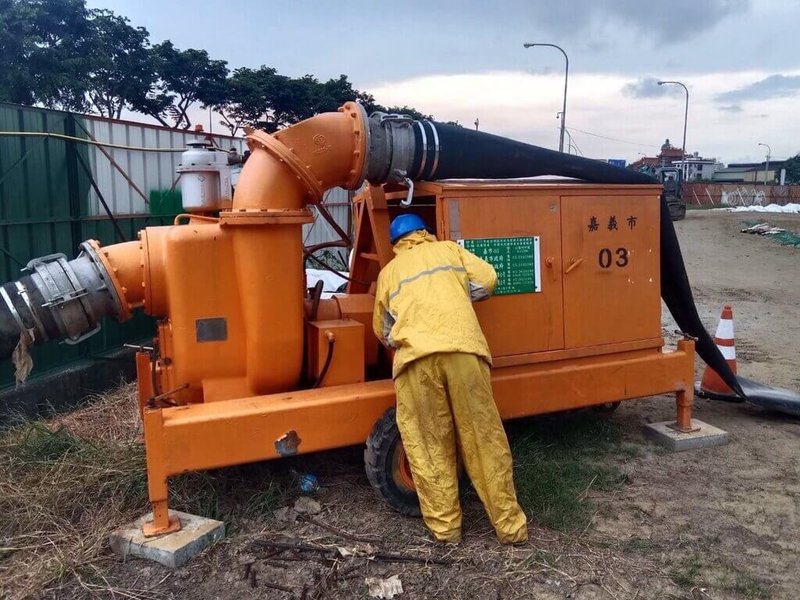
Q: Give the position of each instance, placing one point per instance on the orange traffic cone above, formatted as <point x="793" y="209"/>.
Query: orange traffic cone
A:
<point x="712" y="384"/>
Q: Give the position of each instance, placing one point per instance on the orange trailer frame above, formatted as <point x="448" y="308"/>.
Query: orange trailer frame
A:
<point x="592" y="337"/>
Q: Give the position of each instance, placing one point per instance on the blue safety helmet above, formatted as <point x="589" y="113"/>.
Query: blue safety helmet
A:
<point x="405" y="224"/>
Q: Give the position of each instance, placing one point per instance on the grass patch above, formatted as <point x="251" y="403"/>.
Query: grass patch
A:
<point x="640" y="546"/>
<point x="706" y="206"/>
<point x="233" y="494"/>
<point x="557" y="460"/>
<point x="687" y="573"/>
<point x="540" y="556"/>
<point x="749" y="587"/>
<point x="66" y="483"/>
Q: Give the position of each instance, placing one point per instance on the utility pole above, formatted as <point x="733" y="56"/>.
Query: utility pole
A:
<point x="769" y="154"/>
<point x="684" y="167"/>
<point x="566" y="80"/>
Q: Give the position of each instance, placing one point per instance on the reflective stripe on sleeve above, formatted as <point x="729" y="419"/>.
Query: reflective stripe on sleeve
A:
<point x="443" y="268"/>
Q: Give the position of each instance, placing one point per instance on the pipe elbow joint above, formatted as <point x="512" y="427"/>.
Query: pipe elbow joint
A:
<point x="296" y="165"/>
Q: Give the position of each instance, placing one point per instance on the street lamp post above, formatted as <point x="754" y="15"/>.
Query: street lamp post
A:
<point x="769" y="154"/>
<point x="566" y="80"/>
<point x="685" y="168"/>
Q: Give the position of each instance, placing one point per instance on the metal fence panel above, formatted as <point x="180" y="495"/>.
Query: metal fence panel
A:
<point x="152" y="173"/>
<point x="337" y="201"/>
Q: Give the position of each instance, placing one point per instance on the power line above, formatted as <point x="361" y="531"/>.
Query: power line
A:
<point x="574" y="143"/>
<point x="605" y="137"/>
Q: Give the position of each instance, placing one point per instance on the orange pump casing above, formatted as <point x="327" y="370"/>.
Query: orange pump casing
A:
<point x="231" y="288"/>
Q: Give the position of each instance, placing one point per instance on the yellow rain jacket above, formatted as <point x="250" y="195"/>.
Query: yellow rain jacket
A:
<point x="443" y="383"/>
<point x="423" y="300"/>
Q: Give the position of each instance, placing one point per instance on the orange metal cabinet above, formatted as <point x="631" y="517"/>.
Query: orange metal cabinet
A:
<point x="516" y="323"/>
<point x="347" y="360"/>
<point x="611" y="271"/>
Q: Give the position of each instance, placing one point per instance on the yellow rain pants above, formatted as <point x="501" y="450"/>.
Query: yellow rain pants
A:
<point x="445" y="403"/>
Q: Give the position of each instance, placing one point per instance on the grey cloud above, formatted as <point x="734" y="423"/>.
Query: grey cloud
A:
<point x="774" y="86"/>
<point x="731" y="108"/>
<point x="665" y="22"/>
<point x="647" y="87"/>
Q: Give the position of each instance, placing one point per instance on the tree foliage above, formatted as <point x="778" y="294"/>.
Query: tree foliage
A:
<point x="792" y="166"/>
<point x="121" y="72"/>
<point x="59" y="54"/>
<point x="265" y="99"/>
<point x="44" y="52"/>
<point x="189" y="76"/>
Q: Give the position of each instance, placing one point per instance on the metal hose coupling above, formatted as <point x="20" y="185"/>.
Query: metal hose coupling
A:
<point x="57" y="300"/>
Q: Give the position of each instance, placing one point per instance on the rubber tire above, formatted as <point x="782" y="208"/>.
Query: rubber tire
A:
<point x="677" y="212"/>
<point x="608" y="407"/>
<point x="382" y="445"/>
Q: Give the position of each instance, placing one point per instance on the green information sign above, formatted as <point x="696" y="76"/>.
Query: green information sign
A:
<point x="516" y="260"/>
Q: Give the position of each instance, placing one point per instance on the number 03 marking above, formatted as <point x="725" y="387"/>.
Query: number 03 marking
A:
<point x="605" y="257"/>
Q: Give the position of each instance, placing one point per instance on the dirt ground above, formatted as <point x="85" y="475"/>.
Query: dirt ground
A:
<point x="708" y="524"/>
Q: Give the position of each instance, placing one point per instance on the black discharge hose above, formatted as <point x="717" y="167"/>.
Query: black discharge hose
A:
<point x="677" y="295"/>
<point x="468" y="154"/>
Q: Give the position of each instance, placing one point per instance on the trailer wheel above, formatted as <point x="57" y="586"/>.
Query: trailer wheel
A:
<point x="608" y="407"/>
<point x="677" y="211"/>
<point x="387" y="466"/>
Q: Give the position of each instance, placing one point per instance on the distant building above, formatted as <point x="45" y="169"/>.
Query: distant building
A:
<point x="731" y="174"/>
<point x="669" y="153"/>
<point x="694" y="167"/>
<point x="750" y="172"/>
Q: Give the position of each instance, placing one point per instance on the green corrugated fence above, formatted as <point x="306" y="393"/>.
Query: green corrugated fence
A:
<point x="45" y="187"/>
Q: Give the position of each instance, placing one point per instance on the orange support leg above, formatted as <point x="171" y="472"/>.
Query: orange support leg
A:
<point x="683" y="421"/>
<point x="685" y="397"/>
<point x="157" y="476"/>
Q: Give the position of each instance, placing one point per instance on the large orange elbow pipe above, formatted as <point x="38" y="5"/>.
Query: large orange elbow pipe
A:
<point x="296" y="165"/>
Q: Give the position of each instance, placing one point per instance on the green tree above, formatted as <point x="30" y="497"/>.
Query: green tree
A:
<point x="370" y="105"/>
<point x="265" y="99"/>
<point x="44" y="52"/>
<point x="16" y="83"/>
<point x="245" y="101"/>
<point x="121" y="69"/>
<point x="792" y="166"/>
<point x="189" y="76"/>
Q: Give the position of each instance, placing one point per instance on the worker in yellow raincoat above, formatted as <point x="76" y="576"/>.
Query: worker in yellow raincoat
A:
<point x="423" y="310"/>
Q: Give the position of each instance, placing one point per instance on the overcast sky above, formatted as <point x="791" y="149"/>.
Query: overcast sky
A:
<point x="463" y="59"/>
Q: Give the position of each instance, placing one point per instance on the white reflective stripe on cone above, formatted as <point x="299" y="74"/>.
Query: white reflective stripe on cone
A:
<point x="728" y="352"/>
<point x="725" y="329"/>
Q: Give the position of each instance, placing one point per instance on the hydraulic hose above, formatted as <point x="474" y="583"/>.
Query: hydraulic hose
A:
<point x="327" y="364"/>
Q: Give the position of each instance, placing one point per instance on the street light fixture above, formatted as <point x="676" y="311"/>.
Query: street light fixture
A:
<point x="769" y="154"/>
<point x="685" y="168"/>
<point x="566" y="80"/>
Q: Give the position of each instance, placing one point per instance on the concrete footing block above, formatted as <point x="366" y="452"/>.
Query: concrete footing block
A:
<point x="705" y="436"/>
<point x="171" y="549"/>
